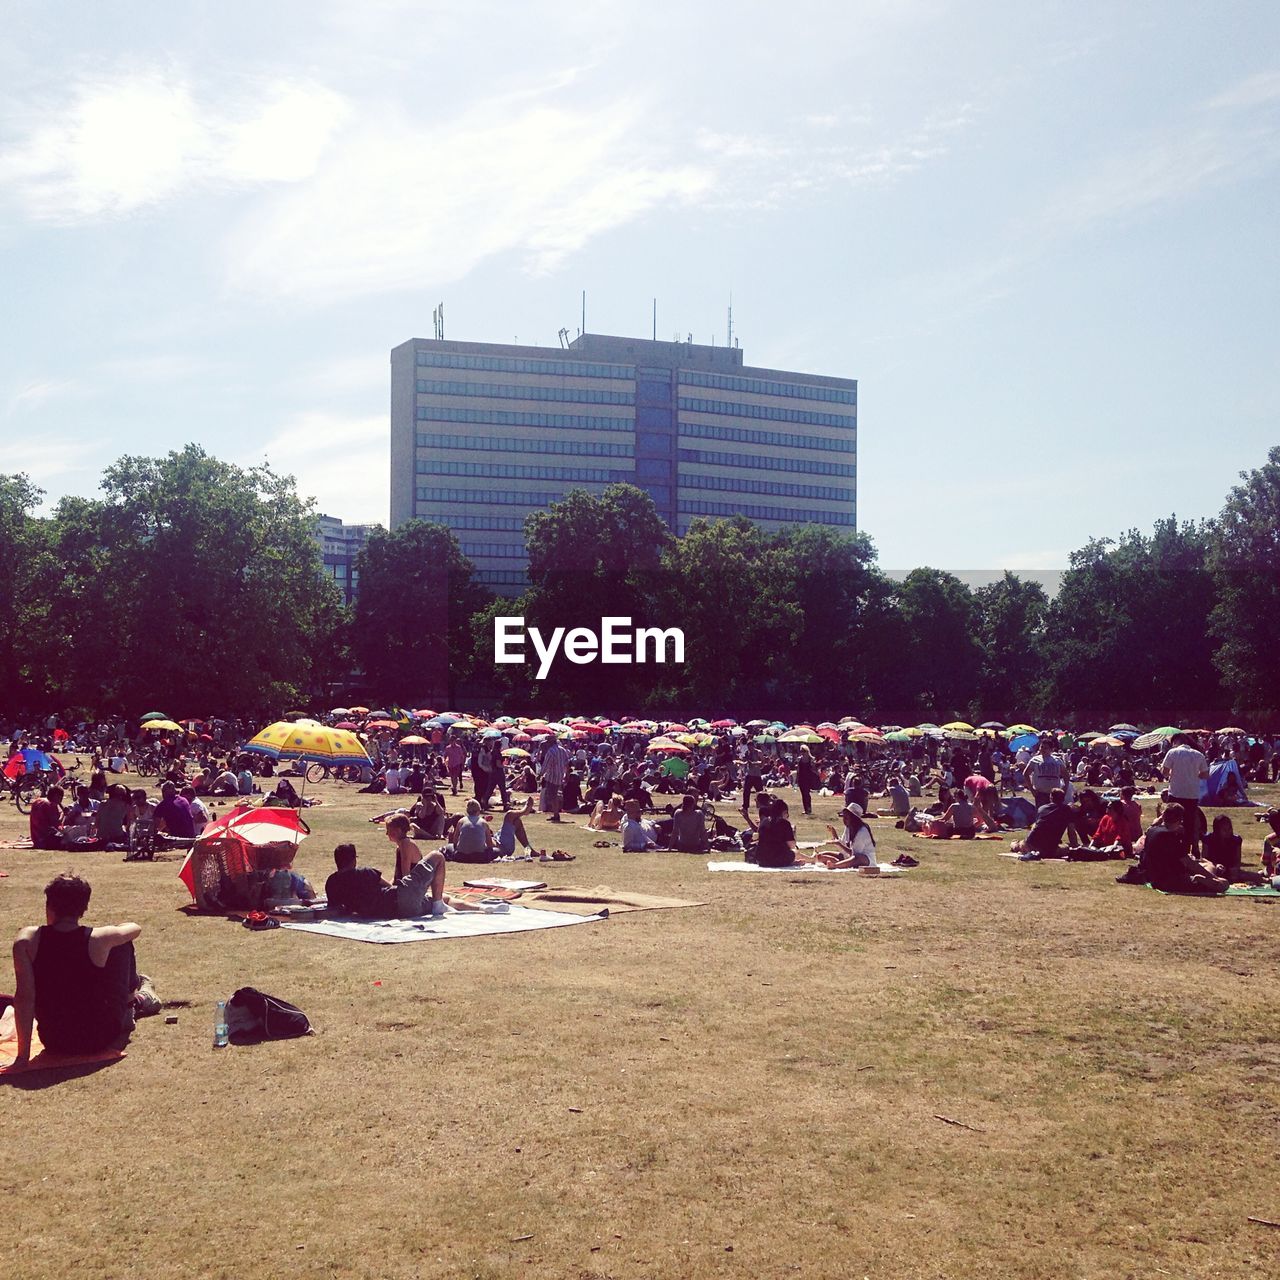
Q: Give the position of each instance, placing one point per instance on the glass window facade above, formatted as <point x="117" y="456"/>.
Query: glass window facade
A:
<point x="770" y="462"/>
<point x="778" y="487"/>
<point x="770" y="413"/>
<point x="767" y="387"/>
<point x="521" y="444"/>
<point x="513" y="471"/>
<point x="501" y="391"/>
<point x="490" y="497"/>
<point x="754" y="511"/>
<point x="749" y="435"/>
<point x="510" y="364"/>
<point x="503" y="418"/>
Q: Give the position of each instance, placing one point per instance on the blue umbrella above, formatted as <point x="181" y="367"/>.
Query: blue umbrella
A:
<point x="1025" y="740"/>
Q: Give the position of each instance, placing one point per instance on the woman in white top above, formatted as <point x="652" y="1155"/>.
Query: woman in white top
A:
<point x="857" y="844"/>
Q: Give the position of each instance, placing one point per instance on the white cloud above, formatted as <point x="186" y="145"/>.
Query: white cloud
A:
<point x="34" y="394"/>
<point x="342" y="462"/>
<point x="407" y="206"/>
<point x="117" y="145"/>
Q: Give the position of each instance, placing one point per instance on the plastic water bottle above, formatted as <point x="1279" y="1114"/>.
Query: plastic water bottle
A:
<point x="220" y="1037"/>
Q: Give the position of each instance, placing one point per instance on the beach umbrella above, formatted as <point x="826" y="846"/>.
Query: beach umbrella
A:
<point x="1022" y="728"/>
<point x="164" y="726"/>
<point x="961" y="735"/>
<point x="829" y="731"/>
<point x="339" y="711"/>
<point x="1124" y="734"/>
<point x="153" y="715"/>
<point x="756" y="724"/>
<point x="992" y="724"/>
<point x="1123" y="728"/>
<point x="1025" y="740"/>
<point x="675" y="748"/>
<point x="492" y="733"/>
<point x="414" y="740"/>
<point x="380" y="724"/>
<point x="1089" y="737"/>
<point x="961" y="725"/>
<point x="516" y="753"/>
<point x="899" y="735"/>
<point x="795" y="736"/>
<point x="1167" y="731"/>
<point x="763" y="738"/>
<point x="724" y="724"/>
<point x="317" y="744"/>
<point x="258" y="825"/>
<point x="1148" y="740"/>
<point x="349" y="725"/>
<point x="1231" y="729"/>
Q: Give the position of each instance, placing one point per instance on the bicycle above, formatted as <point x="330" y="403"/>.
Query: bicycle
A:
<point x="27" y="786"/>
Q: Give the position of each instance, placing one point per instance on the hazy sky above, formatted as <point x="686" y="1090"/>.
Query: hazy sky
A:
<point x="1043" y="236"/>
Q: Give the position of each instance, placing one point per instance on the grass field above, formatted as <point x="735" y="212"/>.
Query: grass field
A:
<point x="748" y="1088"/>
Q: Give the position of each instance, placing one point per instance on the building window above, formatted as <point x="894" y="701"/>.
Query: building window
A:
<point x="769" y="413"/>
<point x="780" y="488"/>
<point x="762" y="462"/>
<point x="752" y="435"/>
<point x="520" y="444"/>
<point x="502" y="418"/>
<point x="501" y="391"/>
<point x="508" y="364"/>
<point x="768" y="387"/>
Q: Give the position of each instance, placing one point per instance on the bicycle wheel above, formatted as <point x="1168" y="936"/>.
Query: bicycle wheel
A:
<point x="22" y="797"/>
<point x="315" y="773"/>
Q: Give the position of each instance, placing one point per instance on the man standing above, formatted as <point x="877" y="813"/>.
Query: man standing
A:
<point x="78" y="985"/>
<point x="1184" y="767"/>
<point x="1044" y="772"/>
<point x="555" y="764"/>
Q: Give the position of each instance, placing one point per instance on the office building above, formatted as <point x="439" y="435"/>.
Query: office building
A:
<point x="483" y="434"/>
<point x="339" y="545"/>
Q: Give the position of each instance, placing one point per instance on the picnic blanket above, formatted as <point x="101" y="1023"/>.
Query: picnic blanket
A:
<point x="603" y="896"/>
<point x="16" y="844"/>
<point x="885" y="869"/>
<point x="41" y="1058"/>
<point x="454" y="924"/>
<point x="496" y="882"/>
<point x="980" y="835"/>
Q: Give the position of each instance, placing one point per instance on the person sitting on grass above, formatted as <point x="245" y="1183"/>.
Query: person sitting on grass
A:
<point x="1167" y="859"/>
<point x="76" y="984"/>
<point x="1112" y="830"/>
<point x="638" y="834"/>
<point x="472" y="838"/>
<point x="1053" y="821"/>
<point x="363" y="891"/>
<point x="775" y="842"/>
<point x="408" y="855"/>
<point x="607" y="815"/>
<point x="857" y="844"/>
<point x="1222" y="850"/>
<point x="45" y="820"/>
<point x="173" y="814"/>
<point x="512" y="835"/>
<point x="689" y="827"/>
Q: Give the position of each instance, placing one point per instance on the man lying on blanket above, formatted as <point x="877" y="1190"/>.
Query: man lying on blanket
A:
<point x="78" y="984"/>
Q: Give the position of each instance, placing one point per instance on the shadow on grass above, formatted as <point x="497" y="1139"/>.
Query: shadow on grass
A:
<point x="47" y="1077"/>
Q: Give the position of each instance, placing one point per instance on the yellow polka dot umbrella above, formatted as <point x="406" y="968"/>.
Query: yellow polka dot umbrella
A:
<point x="313" y="742"/>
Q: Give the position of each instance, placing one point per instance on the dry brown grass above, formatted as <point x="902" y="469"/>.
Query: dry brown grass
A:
<point x="747" y="1088"/>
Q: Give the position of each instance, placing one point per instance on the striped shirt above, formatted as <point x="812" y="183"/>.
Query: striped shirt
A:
<point x="555" y="764"/>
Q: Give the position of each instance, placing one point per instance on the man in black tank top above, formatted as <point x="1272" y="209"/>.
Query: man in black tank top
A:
<point x="76" y="983"/>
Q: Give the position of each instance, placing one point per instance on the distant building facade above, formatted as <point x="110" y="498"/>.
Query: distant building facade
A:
<point x="340" y="544"/>
<point x="483" y="434"/>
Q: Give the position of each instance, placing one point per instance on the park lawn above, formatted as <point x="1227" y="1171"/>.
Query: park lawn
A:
<point x="748" y="1088"/>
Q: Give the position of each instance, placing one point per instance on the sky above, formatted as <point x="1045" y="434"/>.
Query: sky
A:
<point x="1041" y="235"/>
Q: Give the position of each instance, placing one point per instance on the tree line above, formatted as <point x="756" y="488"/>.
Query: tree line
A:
<point x="195" y="586"/>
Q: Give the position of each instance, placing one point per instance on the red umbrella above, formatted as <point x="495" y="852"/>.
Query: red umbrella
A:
<point x="347" y="724"/>
<point x="724" y="724"/>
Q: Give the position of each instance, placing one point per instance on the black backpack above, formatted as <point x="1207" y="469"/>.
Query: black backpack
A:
<point x="254" y="1016"/>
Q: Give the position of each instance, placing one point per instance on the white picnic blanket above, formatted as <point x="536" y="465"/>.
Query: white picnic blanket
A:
<point x="804" y="866"/>
<point x="453" y="924"/>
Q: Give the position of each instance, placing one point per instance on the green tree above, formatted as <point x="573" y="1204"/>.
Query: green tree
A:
<point x="1245" y="563"/>
<point x="843" y="657"/>
<point x="24" y="566"/>
<point x="593" y="556"/>
<point x="1010" y="617"/>
<point x="1129" y="630"/>
<point x="192" y="584"/>
<point x="412" y="630"/>
<point x="940" y="659"/>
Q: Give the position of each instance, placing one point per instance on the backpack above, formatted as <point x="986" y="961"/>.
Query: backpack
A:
<point x="254" y="1016"/>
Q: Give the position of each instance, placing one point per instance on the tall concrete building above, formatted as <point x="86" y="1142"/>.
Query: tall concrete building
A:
<point x="340" y="544"/>
<point x="483" y="434"/>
